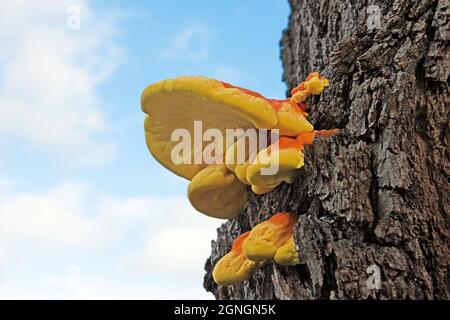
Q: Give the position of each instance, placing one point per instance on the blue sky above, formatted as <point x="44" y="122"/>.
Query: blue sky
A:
<point x="85" y="212"/>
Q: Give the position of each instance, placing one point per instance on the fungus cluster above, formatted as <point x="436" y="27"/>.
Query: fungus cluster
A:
<point x="221" y="178"/>
<point x="235" y="267"/>
<point x="220" y="189"/>
<point x="269" y="240"/>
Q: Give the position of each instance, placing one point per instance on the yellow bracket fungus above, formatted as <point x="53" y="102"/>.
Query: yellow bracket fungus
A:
<point x="314" y="84"/>
<point x="287" y="254"/>
<point x="269" y="236"/>
<point x="217" y="192"/>
<point x="234" y="267"/>
<point x="270" y="240"/>
<point x="185" y="106"/>
<point x="289" y="156"/>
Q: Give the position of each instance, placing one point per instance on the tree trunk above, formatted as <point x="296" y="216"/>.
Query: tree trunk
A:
<point x="374" y="198"/>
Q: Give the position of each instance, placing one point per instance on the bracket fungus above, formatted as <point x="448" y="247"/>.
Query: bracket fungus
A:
<point x="181" y="108"/>
<point x="269" y="236"/>
<point x="234" y="267"/>
<point x="269" y="240"/>
<point x="223" y="171"/>
<point x="314" y="84"/>
<point x="288" y="154"/>
<point x="287" y="254"/>
<point x="217" y="192"/>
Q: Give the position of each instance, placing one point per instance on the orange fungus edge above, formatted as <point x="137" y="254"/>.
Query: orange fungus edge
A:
<point x="275" y="103"/>
<point x="237" y="244"/>
<point x="283" y="217"/>
<point x="298" y="142"/>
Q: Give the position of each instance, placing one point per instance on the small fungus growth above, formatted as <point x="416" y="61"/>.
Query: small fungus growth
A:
<point x="267" y="237"/>
<point x="235" y="267"/>
<point x="270" y="240"/>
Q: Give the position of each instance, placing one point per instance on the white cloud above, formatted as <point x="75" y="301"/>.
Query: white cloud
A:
<point x="52" y="220"/>
<point x="51" y="287"/>
<point x="178" y="238"/>
<point x="6" y="183"/>
<point x="48" y="85"/>
<point x="189" y="44"/>
<point x="60" y="217"/>
<point x="178" y="250"/>
<point x="37" y="225"/>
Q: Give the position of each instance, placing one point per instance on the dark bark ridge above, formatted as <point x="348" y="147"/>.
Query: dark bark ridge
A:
<point x="377" y="193"/>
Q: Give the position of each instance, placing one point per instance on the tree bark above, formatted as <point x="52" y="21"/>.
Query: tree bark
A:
<point x="375" y="195"/>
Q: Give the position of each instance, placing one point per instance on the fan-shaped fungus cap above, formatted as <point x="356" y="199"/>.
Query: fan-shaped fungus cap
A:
<point x="261" y="189"/>
<point x="287" y="254"/>
<point x="267" y="237"/>
<point x="284" y="163"/>
<point x="234" y="267"/>
<point x="292" y="120"/>
<point x="287" y="154"/>
<point x="314" y="84"/>
<point x="216" y="192"/>
<point x="236" y="158"/>
<point x="240" y="171"/>
<point x="176" y="103"/>
<point x="290" y="116"/>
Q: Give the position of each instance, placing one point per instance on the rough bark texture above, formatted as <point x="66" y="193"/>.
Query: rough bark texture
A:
<point x="376" y="194"/>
